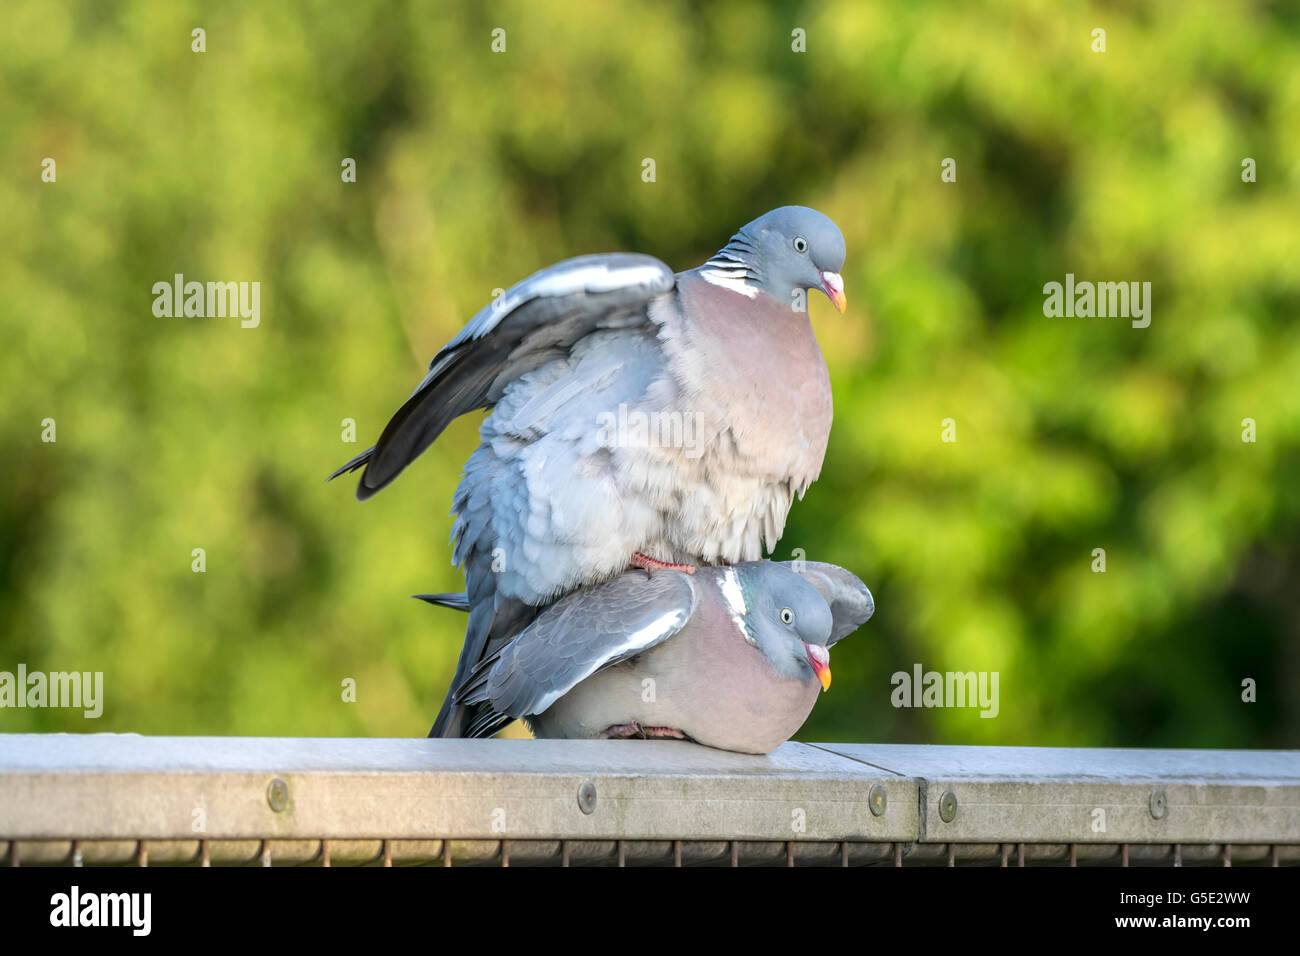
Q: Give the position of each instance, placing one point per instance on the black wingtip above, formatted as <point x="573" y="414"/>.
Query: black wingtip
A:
<point x="457" y="602"/>
<point x="371" y="484"/>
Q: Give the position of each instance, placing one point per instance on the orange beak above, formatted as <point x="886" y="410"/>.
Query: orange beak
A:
<point x="820" y="659"/>
<point x="833" y="286"/>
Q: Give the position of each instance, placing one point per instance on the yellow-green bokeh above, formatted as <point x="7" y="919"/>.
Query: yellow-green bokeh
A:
<point x="475" y="168"/>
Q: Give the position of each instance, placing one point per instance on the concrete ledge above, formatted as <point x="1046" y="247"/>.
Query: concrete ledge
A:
<point x="110" y="787"/>
<point x="1068" y="795"/>
<point x="109" y="798"/>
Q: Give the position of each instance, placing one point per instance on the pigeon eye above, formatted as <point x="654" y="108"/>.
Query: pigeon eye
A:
<point x="800" y="244"/>
<point x="787" y="616"/>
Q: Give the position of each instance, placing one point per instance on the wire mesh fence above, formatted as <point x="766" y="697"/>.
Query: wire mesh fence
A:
<point x="625" y="853"/>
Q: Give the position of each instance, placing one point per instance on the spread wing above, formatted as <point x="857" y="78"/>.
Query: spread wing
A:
<point x="532" y="323"/>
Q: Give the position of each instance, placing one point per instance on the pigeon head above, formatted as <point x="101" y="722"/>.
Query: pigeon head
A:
<point x="788" y="249"/>
<point x="783" y="616"/>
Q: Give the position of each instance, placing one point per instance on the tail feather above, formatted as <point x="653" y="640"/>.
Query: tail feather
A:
<point x="460" y="717"/>
<point x="493" y="621"/>
<point x="359" y="462"/>
<point x="486" y="722"/>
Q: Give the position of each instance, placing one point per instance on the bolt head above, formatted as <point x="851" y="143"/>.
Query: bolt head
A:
<point x="587" y="797"/>
<point x="277" y="795"/>
<point x="877" y="800"/>
<point x="1159" y="804"/>
<point x="948" y="806"/>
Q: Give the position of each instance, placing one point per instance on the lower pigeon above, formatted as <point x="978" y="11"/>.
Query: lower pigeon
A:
<point x="731" y="657"/>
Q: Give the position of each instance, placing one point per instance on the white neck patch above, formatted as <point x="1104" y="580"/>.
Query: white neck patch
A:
<point x="735" y="598"/>
<point x="729" y="281"/>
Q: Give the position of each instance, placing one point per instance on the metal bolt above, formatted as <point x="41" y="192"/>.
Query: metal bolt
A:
<point x="587" y="797"/>
<point x="948" y="806"/>
<point x="1158" y="803"/>
<point x="277" y="794"/>
<point x="877" y="800"/>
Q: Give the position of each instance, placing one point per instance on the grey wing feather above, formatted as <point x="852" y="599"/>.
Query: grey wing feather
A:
<point x="850" y="600"/>
<point x="530" y="324"/>
<point x="579" y="635"/>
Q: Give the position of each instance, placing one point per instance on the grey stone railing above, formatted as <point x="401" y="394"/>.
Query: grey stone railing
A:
<point x="108" y="798"/>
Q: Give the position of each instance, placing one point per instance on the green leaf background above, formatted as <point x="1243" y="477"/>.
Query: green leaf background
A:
<point x="477" y="168"/>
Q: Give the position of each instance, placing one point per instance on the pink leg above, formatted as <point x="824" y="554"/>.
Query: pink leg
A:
<point x="649" y="564"/>
<point x="671" y="733"/>
<point x="635" y="729"/>
<point x="623" y="731"/>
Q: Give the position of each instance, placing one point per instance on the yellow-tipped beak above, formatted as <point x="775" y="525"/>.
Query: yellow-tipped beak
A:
<point x="820" y="659"/>
<point x="833" y="286"/>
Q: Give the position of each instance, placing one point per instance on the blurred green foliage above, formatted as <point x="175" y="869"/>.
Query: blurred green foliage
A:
<point x="476" y="168"/>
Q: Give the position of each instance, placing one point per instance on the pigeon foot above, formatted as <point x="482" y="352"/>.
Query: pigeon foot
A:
<point x="636" y="729"/>
<point x="650" y="565"/>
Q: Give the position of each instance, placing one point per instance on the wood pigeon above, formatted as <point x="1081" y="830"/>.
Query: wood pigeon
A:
<point x="639" y="418"/>
<point x="732" y="657"/>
